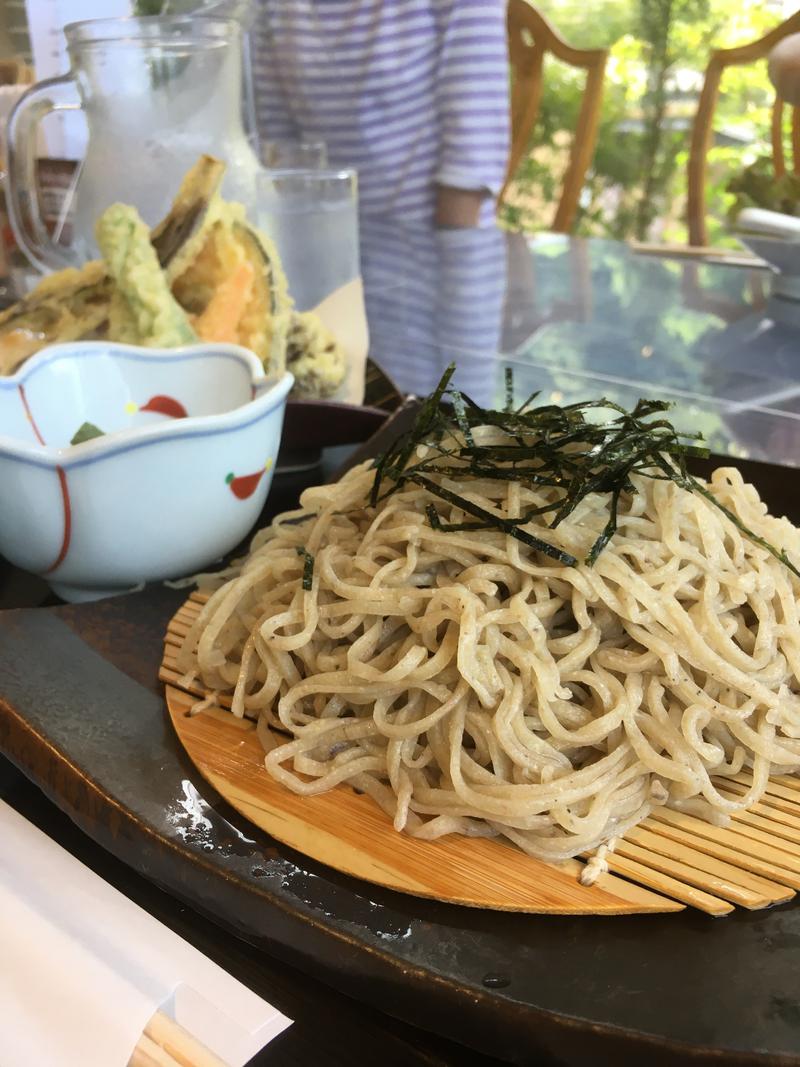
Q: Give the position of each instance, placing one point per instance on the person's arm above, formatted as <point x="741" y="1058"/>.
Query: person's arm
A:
<point x="458" y="207"/>
<point x="473" y="97"/>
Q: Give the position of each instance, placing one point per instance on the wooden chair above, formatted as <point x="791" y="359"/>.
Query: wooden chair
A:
<point x="530" y="37"/>
<point x="702" y="130"/>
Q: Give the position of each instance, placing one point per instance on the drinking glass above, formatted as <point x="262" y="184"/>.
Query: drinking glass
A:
<point x="312" y="216"/>
<point x="296" y="155"/>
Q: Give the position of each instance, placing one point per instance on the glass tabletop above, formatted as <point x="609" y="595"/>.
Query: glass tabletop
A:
<point x="582" y="319"/>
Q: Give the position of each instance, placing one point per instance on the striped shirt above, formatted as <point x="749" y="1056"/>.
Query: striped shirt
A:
<point x="434" y="296"/>
<point x="409" y="92"/>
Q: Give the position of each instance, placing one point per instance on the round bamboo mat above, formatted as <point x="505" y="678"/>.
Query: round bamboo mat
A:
<point x="668" y="861"/>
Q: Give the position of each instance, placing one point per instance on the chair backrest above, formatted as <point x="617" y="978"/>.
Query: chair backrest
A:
<point x="530" y="37"/>
<point x="702" y="130"/>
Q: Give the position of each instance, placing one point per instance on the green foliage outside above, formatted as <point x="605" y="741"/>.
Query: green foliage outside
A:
<point x="757" y="186"/>
<point x="636" y="187"/>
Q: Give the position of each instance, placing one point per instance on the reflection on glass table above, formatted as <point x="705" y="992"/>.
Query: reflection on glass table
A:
<point x="434" y="296"/>
<point x="707" y="337"/>
<point x="623" y="315"/>
<point x="582" y="319"/>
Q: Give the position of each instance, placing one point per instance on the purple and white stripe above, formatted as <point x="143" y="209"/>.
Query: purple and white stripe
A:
<point x="409" y="92"/>
<point x="434" y="296"/>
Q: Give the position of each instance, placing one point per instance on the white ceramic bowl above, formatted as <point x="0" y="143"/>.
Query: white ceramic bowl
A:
<point x="184" y="468"/>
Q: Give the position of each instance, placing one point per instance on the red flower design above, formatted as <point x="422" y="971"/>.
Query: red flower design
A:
<point x="245" y="485"/>
<point x="165" y="405"/>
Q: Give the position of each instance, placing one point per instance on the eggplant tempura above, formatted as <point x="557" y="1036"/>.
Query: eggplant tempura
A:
<point x="203" y="273"/>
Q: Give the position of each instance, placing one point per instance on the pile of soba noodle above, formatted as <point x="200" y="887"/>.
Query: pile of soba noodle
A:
<point x="472" y="685"/>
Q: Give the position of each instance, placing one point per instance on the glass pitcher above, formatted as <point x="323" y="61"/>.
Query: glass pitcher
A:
<point x="157" y="92"/>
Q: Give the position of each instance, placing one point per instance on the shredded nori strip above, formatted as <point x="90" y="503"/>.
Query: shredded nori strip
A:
<point x="509" y="390"/>
<point x="551" y="446"/>
<point x="308" y="567"/>
<point x="461" y="416"/>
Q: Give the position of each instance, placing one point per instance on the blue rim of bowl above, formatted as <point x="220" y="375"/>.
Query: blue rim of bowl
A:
<point x="135" y="354"/>
<point x="73" y="456"/>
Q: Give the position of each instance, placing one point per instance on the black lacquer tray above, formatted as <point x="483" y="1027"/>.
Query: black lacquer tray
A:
<point x="82" y="714"/>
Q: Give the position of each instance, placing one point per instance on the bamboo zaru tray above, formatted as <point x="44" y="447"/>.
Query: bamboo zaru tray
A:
<point x="668" y="861"/>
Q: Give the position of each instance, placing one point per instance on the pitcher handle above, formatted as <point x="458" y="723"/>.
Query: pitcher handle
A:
<point x="54" y="94"/>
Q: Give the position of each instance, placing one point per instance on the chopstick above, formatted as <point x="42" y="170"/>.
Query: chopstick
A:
<point x="148" y="1054"/>
<point x="165" y="1043"/>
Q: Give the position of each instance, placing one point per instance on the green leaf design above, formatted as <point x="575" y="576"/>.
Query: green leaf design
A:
<point x="87" y="431"/>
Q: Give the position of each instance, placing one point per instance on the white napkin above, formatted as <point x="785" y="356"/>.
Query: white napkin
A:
<point x="82" y="968"/>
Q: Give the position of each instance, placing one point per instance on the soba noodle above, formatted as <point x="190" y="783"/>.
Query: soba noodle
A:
<point x="471" y="685"/>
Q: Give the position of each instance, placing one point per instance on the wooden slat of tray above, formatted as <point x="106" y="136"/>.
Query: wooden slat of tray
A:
<point x="780" y="831"/>
<point x="727" y="843"/>
<point x="694" y="866"/>
<point x="643" y="874"/>
<point x="768" y="804"/>
<point x="752" y="863"/>
<point x="776" y="787"/>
